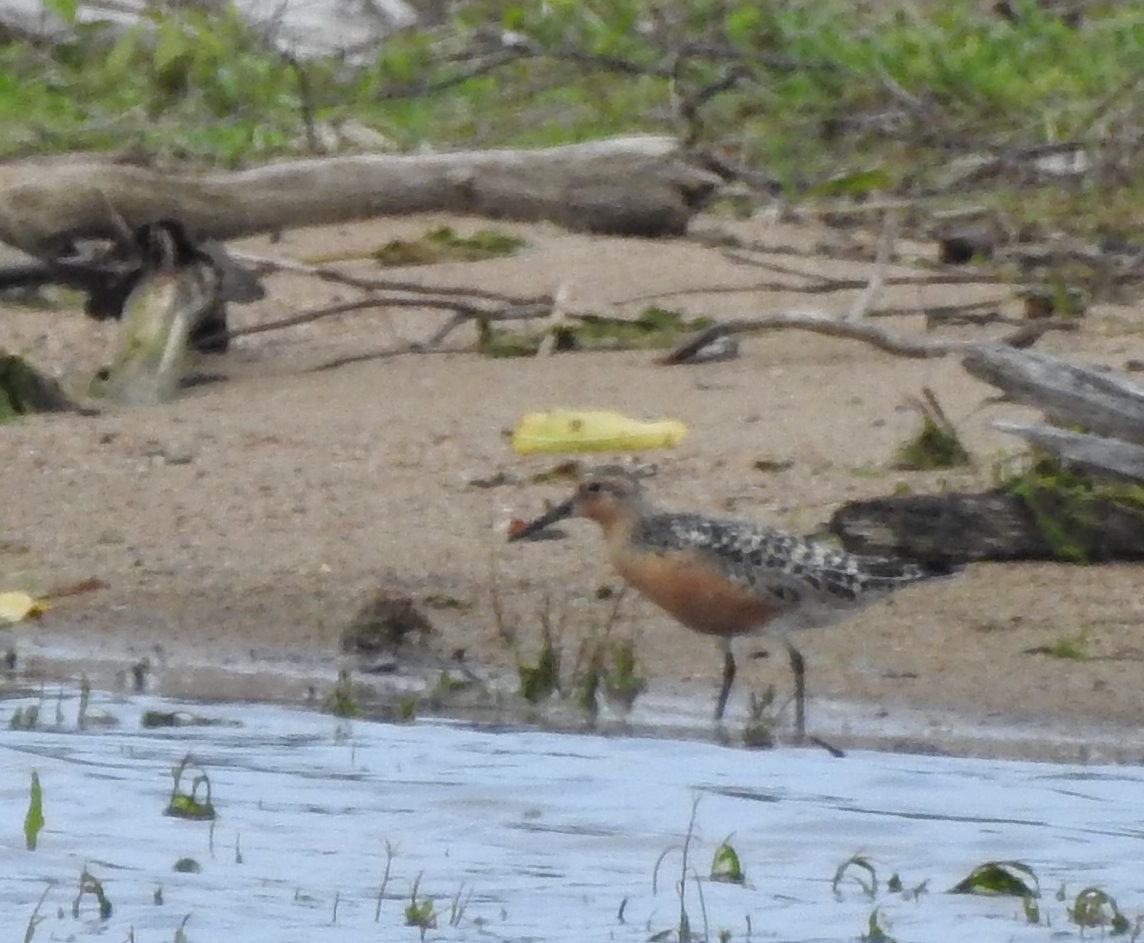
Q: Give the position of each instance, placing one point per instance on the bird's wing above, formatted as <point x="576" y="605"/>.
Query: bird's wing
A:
<point x="776" y="565"/>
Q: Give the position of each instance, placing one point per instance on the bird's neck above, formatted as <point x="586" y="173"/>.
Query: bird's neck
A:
<point x="618" y="524"/>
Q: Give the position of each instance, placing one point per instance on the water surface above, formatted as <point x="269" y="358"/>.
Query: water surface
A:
<point x="540" y="836"/>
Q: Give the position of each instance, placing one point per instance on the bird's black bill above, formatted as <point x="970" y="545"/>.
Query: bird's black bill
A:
<point x="551" y="516"/>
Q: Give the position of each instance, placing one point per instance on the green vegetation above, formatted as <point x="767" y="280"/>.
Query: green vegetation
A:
<point x="1067" y="647"/>
<point x="420" y="914"/>
<point x="1004" y="878"/>
<point x="84" y="703"/>
<point x="25" y="718"/>
<point x="390" y="853"/>
<point x="23" y="389"/>
<point x="762" y="716"/>
<point x="188" y="805"/>
<point x="936" y="444"/>
<point x="341" y="702"/>
<point x="34" y="920"/>
<point x="725" y="865"/>
<point x="876" y="928"/>
<point x="442" y="244"/>
<point x="1066" y="505"/>
<point x="623" y="682"/>
<point x="859" y="869"/>
<point x="683" y="929"/>
<point x="407" y="708"/>
<point x="833" y="99"/>
<point x="34" y="819"/>
<point x="90" y="884"/>
<point x="1094" y="908"/>
<point x="538" y="681"/>
<point x="610" y="663"/>
<point x="654" y="328"/>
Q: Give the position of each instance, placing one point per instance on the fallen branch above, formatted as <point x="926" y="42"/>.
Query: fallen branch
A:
<point x="1069" y="393"/>
<point x="463" y="312"/>
<point x="264" y="263"/>
<point x="815" y="284"/>
<point x="384" y="353"/>
<point x="874" y="286"/>
<point x="993" y="525"/>
<point x="1095" y="453"/>
<point x="831" y="326"/>
<point x="639" y="185"/>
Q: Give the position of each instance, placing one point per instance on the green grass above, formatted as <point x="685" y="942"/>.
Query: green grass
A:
<point x="880" y="95"/>
<point x="1069" y="647"/>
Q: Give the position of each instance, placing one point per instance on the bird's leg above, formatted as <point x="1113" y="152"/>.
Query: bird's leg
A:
<point x="728" y="677"/>
<point x="798" y="666"/>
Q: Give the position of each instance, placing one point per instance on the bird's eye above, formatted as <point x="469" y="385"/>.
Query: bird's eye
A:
<point x="593" y="487"/>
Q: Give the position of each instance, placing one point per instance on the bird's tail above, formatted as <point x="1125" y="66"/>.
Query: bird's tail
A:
<point x="896" y="572"/>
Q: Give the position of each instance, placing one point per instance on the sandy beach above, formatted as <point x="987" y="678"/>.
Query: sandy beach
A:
<point x="235" y="532"/>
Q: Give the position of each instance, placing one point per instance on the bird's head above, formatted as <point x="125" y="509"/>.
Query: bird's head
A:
<point x="608" y="495"/>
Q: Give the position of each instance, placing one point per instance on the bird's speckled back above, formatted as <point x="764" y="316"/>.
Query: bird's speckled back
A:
<point x="816" y="583"/>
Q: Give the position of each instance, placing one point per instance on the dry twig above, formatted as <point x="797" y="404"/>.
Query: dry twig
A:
<point x="264" y="263"/>
<point x="831" y="326"/>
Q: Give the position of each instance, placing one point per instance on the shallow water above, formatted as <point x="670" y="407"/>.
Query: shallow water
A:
<point x="544" y="836"/>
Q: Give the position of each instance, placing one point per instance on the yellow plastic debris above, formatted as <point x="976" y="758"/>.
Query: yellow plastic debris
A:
<point x="576" y="430"/>
<point x="16" y="607"/>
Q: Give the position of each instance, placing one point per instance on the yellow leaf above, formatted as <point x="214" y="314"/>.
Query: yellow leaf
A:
<point x="16" y="607"/>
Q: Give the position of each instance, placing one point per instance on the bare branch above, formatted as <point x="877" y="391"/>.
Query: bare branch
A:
<point x="475" y="67"/>
<point x="385" y="353"/>
<point x="819" y="323"/>
<point x="1093" y="452"/>
<point x="267" y="263"/>
<point x="818" y="284"/>
<point x="885" y="250"/>
<point x="462" y="311"/>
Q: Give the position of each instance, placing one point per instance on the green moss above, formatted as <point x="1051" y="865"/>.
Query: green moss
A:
<point x="1069" y="647"/>
<point x="1064" y="505"/>
<point x="442" y="244"/>
<point x="23" y="389"/>
<point x="654" y="329"/>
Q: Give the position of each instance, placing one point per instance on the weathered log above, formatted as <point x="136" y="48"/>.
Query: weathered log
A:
<point x="639" y="185"/>
<point x="1091" y="452"/>
<point x="992" y="525"/>
<point x="1068" y="393"/>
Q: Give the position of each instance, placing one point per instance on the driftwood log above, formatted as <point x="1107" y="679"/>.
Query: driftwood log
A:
<point x="1046" y="521"/>
<point x="992" y="525"/>
<point x="1068" y="393"/>
<point x="1093" y="453"/>
<point x="641" y="185"/>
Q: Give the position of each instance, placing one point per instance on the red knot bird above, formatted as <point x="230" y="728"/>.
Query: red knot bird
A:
<point x="726" y="578"/>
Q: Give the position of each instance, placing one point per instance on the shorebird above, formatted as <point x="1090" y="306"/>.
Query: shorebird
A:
<point x="727" y="578"/>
